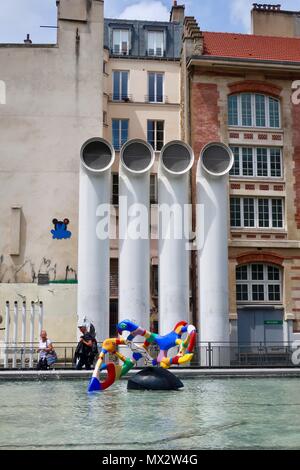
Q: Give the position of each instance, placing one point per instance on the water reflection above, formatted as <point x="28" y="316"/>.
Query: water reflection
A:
<point x="206" y="414"/>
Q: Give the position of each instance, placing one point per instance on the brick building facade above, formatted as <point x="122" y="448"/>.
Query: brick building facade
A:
<point x="239" y="90"/>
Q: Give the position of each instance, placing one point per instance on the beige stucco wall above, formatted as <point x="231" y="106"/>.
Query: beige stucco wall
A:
<point x="59" y="304"/>
<point x="54" y="103"/>
<point x="268" y="23"/>
<point x="138" y="111"/>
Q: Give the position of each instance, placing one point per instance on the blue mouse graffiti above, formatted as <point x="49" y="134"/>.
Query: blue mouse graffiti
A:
<point x="60" y="231"/>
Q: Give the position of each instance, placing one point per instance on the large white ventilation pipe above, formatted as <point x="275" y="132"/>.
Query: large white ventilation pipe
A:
<point x="215" y="162"/>
<point x="97" y="157"/>
<point x="176" y="160"/>
<point x="136" y="160"/>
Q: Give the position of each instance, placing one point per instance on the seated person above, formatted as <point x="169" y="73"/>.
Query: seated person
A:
<point x="46" y="350"/>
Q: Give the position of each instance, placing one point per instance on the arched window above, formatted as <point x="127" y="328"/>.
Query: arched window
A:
<point x="254" y="110"/>
<point x="259" y="283"/>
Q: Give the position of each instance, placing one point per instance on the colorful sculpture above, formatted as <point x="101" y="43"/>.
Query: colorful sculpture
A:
<point x="116" y="371"/>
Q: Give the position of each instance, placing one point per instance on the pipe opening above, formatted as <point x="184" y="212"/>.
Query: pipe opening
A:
<point x="177" y="157"/>
<point x="97" y="155"/>
<point x="137" y="156"/>
<point x="217" y="159"/>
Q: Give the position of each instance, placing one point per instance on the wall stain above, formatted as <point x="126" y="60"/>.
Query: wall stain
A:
<point x="10" y="274"/>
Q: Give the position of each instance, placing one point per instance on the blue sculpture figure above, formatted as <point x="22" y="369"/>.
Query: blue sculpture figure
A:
<point x="60" y="231"/>
<point x="166" y="342"/>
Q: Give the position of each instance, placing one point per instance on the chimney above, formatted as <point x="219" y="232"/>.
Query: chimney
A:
<point x="27" y="40"/>
<point x="177" y="13"/>
<point x="271" y="20"/>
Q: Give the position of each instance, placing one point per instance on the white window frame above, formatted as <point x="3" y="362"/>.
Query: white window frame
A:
<point x="155" y="44"/>
<point x="253" y="111"/>
<point x="265" y="282"/>
<point x="155" y="87"/>
<point x="119" y="132"/>
<point x="256" y="213"/>
<point x="121" y="98"/>
<point x="121" y="31"/>
<point x="156" y="131"/>
<point x="255" y="165"/>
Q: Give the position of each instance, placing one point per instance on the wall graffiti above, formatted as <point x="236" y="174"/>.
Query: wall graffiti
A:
<point x="28" y="273"/>
<point x="9" y="273"/>
<point x="73" y="272"/>
<point x="60" y="231"/>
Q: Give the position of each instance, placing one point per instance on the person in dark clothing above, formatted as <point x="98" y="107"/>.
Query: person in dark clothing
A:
<point x="86" y="349"/>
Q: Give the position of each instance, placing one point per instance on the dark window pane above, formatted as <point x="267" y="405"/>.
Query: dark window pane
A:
<point x="235" y="212"/>
<point x="277" y="213"/>
<point x="274" y="112"/>
<point x="262" y="162"/>
<point x="242" y="293"/>
<point x="249" y="218"/>
<point x="257" y="272"/>
<point x="242" y="273"/>
<point x="273" y="273"/>
<point x="275" y="163"/>
<point x="124" y="85"/>
<point x="274" y="293"/>
<point x="150" y="133"/>
<point x="263" y="213"/>
<point x="116" y="85"/>
<point x="153" y="189"/>
<point x="246" y="102"/>
<point x="235" y="170"/>
<point x="159" y="88"/>
<point x="151" y="90"/>
<point x="258" y="292"/>
<point x="116" y="133"/>
<point x="115" y="189"/>
<point x="247" y="161"/>
<point x="233" y="110"/>
<point x="160" y="125"/>
<point x="260" y="110"/>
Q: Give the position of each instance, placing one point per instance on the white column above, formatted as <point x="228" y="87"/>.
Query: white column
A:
<point x="6" y="341"/>
<point x="31" y="333"/>
<point x="214" y="165"/>
<point x="23" y="332"/>
<point x="15" y="334"/>
<point x="97" y="157"/>
<point x="136" y="160"/>
<point x="176" y="160"/>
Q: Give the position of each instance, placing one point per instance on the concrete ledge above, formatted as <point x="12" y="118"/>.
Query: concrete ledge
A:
<point x="23" y="375"/>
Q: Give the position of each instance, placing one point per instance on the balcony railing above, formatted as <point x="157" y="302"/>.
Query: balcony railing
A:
<point x="159" y="99"/>
<point x="120" y="98"/>
<point x="122" y="49"/>
<point x="156" y="52"/>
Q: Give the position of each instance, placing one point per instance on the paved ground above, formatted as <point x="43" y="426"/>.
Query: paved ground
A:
<point x="187" y="373"/>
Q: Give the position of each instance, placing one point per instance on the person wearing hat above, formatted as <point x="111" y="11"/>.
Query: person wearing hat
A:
<point x="85" y="351"/>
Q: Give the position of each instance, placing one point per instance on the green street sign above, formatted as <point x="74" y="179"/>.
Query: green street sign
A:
<point x="274" y="322"/>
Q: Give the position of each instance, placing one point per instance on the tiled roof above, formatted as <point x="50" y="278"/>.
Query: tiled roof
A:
<point x="247" y="46"/>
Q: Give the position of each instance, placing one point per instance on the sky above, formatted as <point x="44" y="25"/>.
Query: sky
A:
<point x="19" y="17"/>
